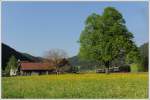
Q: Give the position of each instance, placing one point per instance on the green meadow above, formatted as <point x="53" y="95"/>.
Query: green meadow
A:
<point x="114" y="85"/>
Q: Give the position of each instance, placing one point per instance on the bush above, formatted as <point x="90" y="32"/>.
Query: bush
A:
<point x="75" y="69"/>
<point x="125" y="68"/>
<point x="136" y="68"/>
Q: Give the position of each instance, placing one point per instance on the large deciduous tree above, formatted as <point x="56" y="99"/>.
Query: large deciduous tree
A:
<point x="55" y="57"/>
<point x="105" y="37"/>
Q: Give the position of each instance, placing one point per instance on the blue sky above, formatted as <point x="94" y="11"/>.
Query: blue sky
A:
<point x="35" y="27"/>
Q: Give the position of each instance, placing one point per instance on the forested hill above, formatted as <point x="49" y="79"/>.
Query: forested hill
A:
<point x="7" y="52"/>
<point x="85" y="65"/>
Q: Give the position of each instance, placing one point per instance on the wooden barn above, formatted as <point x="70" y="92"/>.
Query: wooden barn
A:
<point x="35" y="68"/>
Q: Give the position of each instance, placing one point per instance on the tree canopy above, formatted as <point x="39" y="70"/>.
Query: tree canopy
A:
<point x="57" y="57"/>
<point x="106" y="37"/>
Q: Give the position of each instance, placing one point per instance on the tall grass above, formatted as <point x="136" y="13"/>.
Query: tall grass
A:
<point x="133" y="85"/>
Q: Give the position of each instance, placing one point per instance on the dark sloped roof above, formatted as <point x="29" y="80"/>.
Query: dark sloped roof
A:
<point x="35" y="66"/>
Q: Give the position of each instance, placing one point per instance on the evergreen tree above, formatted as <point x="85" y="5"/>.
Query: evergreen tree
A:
<point x="11" y="65"/>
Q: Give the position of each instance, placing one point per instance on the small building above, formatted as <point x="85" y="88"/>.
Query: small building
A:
<point x="13" y="72"/>
<point x="35" y="68"/>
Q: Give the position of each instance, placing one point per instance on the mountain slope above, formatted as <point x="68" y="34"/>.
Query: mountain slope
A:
<point x="33" y="58"/>
<point x="84" y="64"/>
<point x="7" y="52"/>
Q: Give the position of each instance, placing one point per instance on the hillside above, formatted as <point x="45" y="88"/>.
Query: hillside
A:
<point x="84" y="64"/>
<point x="33" y="58"/>
<point x="7" y="52"/>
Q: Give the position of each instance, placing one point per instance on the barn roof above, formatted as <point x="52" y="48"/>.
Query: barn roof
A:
<point x="35" y="66"/>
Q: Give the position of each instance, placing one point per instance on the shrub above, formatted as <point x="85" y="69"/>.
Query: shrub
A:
<point x="125" y="68"/>
<point x="136" y="68"/>
<point x="75" y="69"/>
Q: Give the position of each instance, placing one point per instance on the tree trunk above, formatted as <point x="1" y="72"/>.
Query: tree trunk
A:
<point x="107" y="67"/>
<point x="57" y="70"/>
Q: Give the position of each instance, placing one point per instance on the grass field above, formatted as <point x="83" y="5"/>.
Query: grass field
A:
<point x="121" y="85"/>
